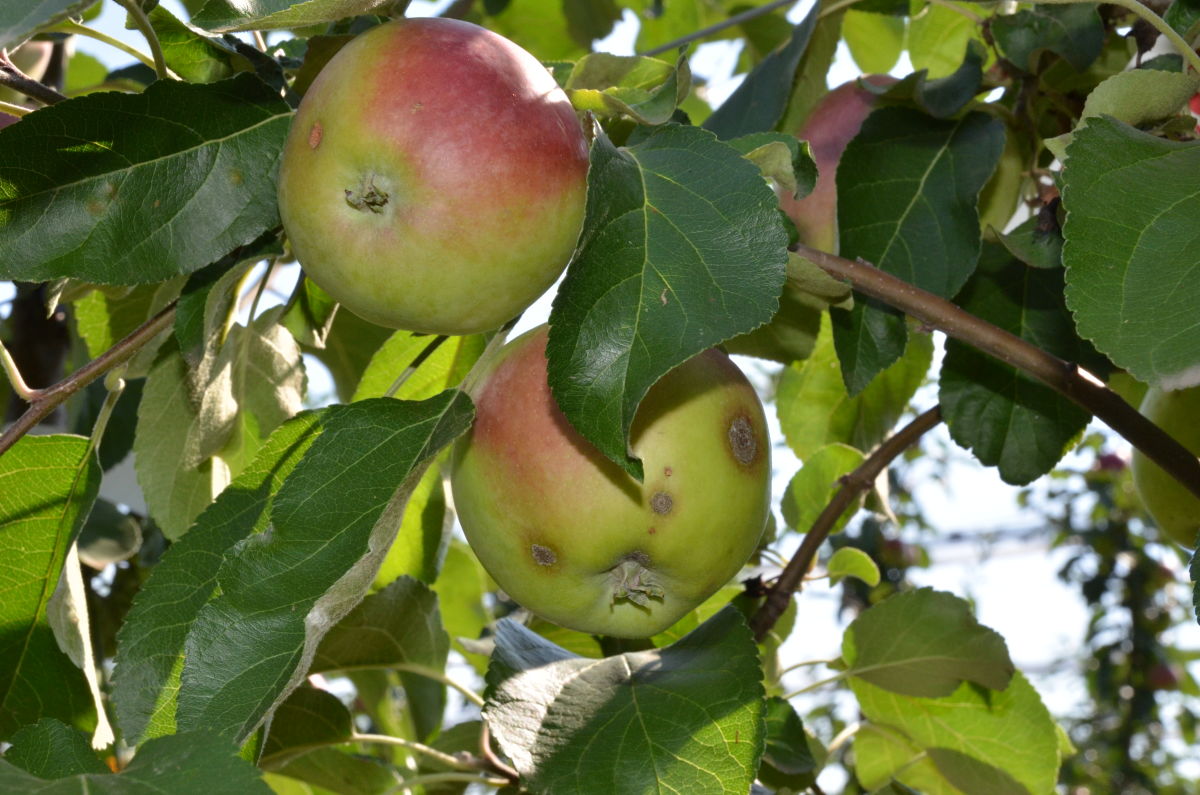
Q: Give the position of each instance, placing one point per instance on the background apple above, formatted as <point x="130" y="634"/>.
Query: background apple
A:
<point x="434" y="177"/>
<point x="1175" y="510"/>
<point x="570" y="536"/>
<point x="833" y="123"/>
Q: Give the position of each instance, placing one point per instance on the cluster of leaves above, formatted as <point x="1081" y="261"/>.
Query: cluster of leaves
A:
<point x="303" y="541"/>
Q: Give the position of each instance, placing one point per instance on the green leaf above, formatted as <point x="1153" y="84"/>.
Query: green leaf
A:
<point x="588" y="20"/>
<point x="852" y="562"/>
<point x="809" y="85"/>
<point x="787" y="162"/>
<point x="225" y="16"/>
<point x="151" y="640"/>
<point x="943" y="97"/>
<point x="1006" y="417"/>
<point x="682" y="248"/>
<point x="645" y="89"/>
<point x="687" y="718"/>
<point x="875" y="40"/>
<point x="1130" y="249"/>
<point x="104" y="317"/>
<point x="908" y="189"/>
<point x="815" y="484"/>
<point x="815" y="410"/>
<point x="1035" y="244"/>
<point x="145" y="186"/>
<point x="539" y="26"/>
<point x="937" y="38"/>
<point x="175" y="494"/>
<point x="196" y="763"/>
<point x="787" y="760"/>
<point x="883" y="754"/>
<point x="398" y="627"/>
<point x="461" y="588"/>
<point x="424" y="534"/>
<point x="1009" y="730"/>
<point x="309" y="316"/>
<point x="329" y="771"/>
<point x="284" y="589"/>
<point x="924" y="643"/>
<point x="47" y="486"/>
<point x="108" y="536"/>
<point x="19" y="21"/>
<point x="444" y="368"/>
<point x="1184" y="17"/>
<point x="760" y="100"/>
<point x="308" y="719"/>
<point x="50" y="749"/>
<point x="1074" y="32"/>
<point x="194" y="58"/>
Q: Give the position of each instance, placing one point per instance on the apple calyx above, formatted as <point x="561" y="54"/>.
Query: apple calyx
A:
<point x="367" y="197"/>
<point x="632" y="580"/>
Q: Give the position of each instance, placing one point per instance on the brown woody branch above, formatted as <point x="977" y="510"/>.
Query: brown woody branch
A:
<point x="14" y="78"/>
<point x="857" y="482"/>
<point x="43" y="401"/>
<point x="1070" y="379"/>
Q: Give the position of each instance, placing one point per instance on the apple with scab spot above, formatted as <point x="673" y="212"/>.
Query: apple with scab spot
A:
<point x="1175" y="510"/>
<point x="434" y="177"/>
<point x="572" y="537"/>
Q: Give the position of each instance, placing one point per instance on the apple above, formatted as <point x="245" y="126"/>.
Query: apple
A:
<point x="570" y="536"/>
<point x="434" y="177"/>
<point x="1175" y="510"/>
<point x="833" y="123"/>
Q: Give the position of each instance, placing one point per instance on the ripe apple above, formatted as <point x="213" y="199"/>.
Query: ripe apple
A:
<point x="833" y="123"/>
<point x="570" y="536"/>
<point x="1176" y="510"/>
<point x="434" y="177"/>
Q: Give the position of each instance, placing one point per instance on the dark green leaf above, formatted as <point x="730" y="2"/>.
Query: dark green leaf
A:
<point x="1037" y="242"/>
<point x="809" y="85"/>
<point x="145" y="186"/>
<point x="1006" y="417"/>
<point x="759" y="101"/>
<point x="786" y="760"/>
<point x="331" y="524"/>
<point x="333" y="772"/>
<point x="197" y="763"/>
<point x="310" y="314"/>
<point x="943" y="97"/>
<point x="687" y="718"/>
<point x="151" y="641"/>
<point x="1184" y="17"/>
<point x="1130" y="248"/>
<point x="50" y="749"/>
<point x="682" y="249"/>
<point x="925" y="643"/>
<point x="1073" y="32"/>
<point x="908" y="189"/>
<point x="47" y="486"/>
<point x="588" y="20"/>
<point x="194" y="58"/>
<point x="308" y="719"/>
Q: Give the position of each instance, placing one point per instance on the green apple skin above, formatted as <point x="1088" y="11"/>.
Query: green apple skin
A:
<point x="434" y="177"/>
<point x="833" y="123"/>
<point x="559" y="526"/>
<point x="1176" y="510"/>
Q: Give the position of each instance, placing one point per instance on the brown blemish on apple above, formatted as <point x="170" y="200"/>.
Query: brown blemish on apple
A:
<point x="661" y="503"/>
<point x="653" y="530"/>
<point x="741" y="441"/>
<point x="543" y="556"/>
<point x="668" y="472"/>
<point x="314" y="135"/>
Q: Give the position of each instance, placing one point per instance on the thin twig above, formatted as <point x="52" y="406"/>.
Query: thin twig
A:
<point x="14" y="110"/>
<point x="448" y="778"/>
<point x="14" y="78"/>
<point x="438" y="676"/>
<point x="405" y="374"/>
<point x="420" y="748"/>
<point x="497" y="764"/>
<point x="853" y="484"/>
<point x="71" y="26"/>
<point x="142" y="22"/>
<point x="1070" y="379"/>
<point x="9" y="365"/>
<point x="51" y="397"/>
<point x="736" y="19"/>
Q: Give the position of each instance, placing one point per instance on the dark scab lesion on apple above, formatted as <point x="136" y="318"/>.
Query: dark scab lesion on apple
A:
<point x="742" y="443"/>
<point x="662" y="503"/>
<point x="543" y="556"/>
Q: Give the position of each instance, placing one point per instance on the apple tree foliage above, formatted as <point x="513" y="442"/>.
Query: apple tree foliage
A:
<point x="1038" y="169"/>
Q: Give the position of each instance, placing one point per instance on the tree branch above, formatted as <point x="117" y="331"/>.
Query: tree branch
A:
<point x="1070" y="379"/>
<point x="14" y="78"/>
<point x="853" y="484"/>
<point x="736" y="19"/>
<point x="47" y="400"/>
